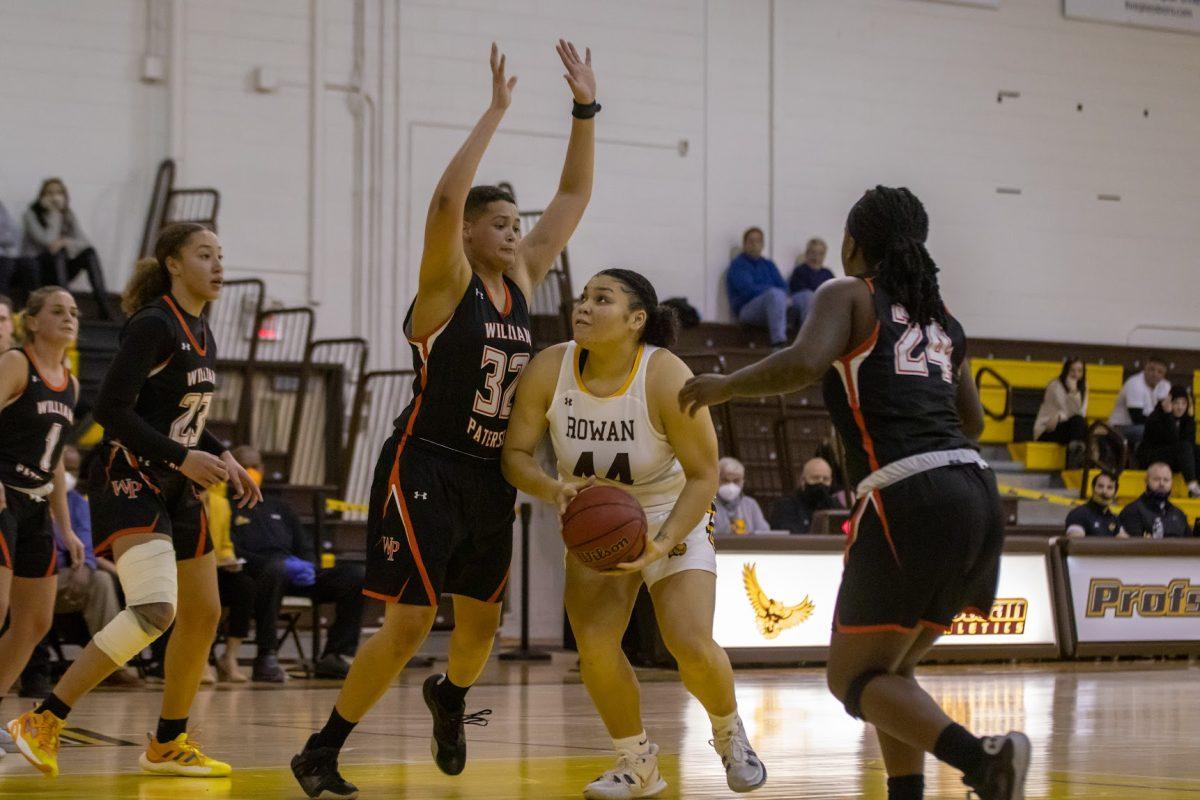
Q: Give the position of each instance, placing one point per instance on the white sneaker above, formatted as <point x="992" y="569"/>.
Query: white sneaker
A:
<point x="633" y="776"/>
<point x="744" y="771"/>
<point x="7" y="743"/>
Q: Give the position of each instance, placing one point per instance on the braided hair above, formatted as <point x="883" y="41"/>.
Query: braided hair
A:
<point x="891" y="226"/>
<point x="662" y="322"/>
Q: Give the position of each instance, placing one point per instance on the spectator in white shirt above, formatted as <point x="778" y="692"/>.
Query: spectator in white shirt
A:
<point x="1138" y="398"/>
<point x="737" y="512"/>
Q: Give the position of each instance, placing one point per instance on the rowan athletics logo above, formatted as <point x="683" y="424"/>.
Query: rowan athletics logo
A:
<point x="772" y="616"/>
<point x="1007" y="618"/>
<point x="1179" y="598"/>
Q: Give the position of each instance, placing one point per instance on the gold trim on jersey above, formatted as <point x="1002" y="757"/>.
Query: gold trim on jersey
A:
<point x="637" y="363"/>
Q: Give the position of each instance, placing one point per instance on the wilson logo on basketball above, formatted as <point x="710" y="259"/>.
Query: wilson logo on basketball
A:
<point x="1179" y="598"/>
<point x="1007" y="618"/>
<point x="602" y="553"/>
<point x="128" y="487"/>
<point x="390" y="547"/>
<point x="772" y="616"/>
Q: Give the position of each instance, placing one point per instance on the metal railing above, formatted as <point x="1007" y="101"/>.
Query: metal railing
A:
<point x="332" y="373"/>
<point x="380" y="399"/>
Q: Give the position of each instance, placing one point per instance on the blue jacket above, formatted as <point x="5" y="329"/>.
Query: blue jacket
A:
<point x="747" y="278"/>
<point x="81" y="523"/>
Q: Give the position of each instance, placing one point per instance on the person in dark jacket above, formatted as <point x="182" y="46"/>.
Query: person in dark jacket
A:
<point x="1170" y="437"/>
<point x="1152" y="516"/>
<point x="809" y="274"/>
<point x="1095" y="517"/>
<point x="281" y="558"/>
<point x="794" y="512"/>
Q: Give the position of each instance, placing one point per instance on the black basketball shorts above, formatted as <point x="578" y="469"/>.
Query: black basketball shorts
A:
<point x="128" y="497"/>
<point x="438" y="523"/>
<point x="921" y="551"/>
<point x="26" y="537"/>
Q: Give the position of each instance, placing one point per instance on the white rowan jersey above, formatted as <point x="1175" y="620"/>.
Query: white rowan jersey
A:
<point x="612" y="437"/>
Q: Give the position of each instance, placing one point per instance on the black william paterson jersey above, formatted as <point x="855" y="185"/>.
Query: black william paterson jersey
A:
<point x="893" y="396"/>
<point x="467" y="372"/>
<point x="34" y="427"/>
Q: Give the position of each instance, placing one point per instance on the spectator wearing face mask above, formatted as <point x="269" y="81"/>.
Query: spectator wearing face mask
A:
<point x="1170" y="437"/>
<point x="737" y="512"/>
<point x="1152" y="516"/>
<point x="1095" y="517"/>
<point x="814" y="493"/>
<point x="1137" y="399"/>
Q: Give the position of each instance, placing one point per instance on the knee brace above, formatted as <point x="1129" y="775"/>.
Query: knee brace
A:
<point x="854" y="692"/>
<point x="147" y="575"/>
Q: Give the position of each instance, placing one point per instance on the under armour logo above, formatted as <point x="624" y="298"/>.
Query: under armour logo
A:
<point x="480" y="295"/>
<point x="420" y="495"/>
<point x="568" y="401"/>
<point x="35" y="379"/>
<point x="185" y="346"/>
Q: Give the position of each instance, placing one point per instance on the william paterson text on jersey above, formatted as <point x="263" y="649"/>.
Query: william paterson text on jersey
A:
<point x="601" y="430"/>
<point x="55" y="407"/>
<point x="503" y="330"/>
<point x="201" y="375"/>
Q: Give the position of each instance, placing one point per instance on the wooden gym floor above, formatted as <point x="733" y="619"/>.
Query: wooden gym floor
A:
<point x="1099" y="731"/>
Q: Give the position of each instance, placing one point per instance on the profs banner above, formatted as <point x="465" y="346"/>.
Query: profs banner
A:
<point x="1182" y="16"/>
<point x="1135" y="599"/>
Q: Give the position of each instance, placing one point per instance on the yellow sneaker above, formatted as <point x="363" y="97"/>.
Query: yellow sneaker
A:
<point x="36" y="736"/>
<point x="181" y="757"/>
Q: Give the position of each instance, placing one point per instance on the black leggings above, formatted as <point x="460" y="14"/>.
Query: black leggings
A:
<point x="1180" y="457"/>
<point x="1072" y="430"/>
<point x="237" y="594"/>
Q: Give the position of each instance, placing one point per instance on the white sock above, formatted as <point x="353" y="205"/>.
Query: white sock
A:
<point x="724" y="724"/>
<point x="638" y="745"/>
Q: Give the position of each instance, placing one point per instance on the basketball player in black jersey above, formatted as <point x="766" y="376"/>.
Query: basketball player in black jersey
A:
<point x="928" y="528"/>
<point x="146" y="506"/>
<point x="441" y="513"/>
<point x="37" y="411"/>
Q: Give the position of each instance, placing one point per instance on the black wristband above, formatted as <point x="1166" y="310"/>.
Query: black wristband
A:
<point x="580" y="111"/>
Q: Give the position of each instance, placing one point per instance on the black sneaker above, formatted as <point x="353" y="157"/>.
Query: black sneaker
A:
<point x="332" y="667"/>
<point x="1004" y="772"/>
<point x="449" y="744"/>
<point x="316" y="769"/>
<point x="268" y="670"/>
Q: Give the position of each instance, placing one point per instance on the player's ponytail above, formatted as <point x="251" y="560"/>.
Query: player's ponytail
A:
<point x="662" y="322"/>
<point x="150" y="279"/>
<point x="891" y="226"/>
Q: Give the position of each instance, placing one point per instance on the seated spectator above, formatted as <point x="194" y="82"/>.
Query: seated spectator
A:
<point x="809" y="274"/>
<point x="7" y="326"/>
<point x="1095" y="517"/>
<point x="737" y="512"/>
<point x="757" y="292"/>
<point x="54" y="236"/>
<point x="280" y="557"/>
<point x="90" y="588"/>
<point x="18" y="274"/>
<point x="1063" y="415"/>
<point x="794" y="512"/>
<point x="1170" y="437"/>
<point x="1152" y="516"/>
<point x="235" y="587"/>
<point x="1137" y="399"/>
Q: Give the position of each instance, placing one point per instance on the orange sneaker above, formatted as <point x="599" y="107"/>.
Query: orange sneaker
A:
<point x="181" y="757"/>
<point x="36" y="736"/>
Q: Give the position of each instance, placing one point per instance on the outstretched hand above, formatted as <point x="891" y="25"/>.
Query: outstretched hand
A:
<point x="502" y="85"/>
<point x="704" y="390"/>
<point x="579" y="75"/>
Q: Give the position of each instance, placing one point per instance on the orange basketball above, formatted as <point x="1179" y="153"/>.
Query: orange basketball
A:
<point x="604" y="526"/>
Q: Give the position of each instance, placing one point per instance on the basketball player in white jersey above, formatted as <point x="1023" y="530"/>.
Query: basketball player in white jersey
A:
<point x="608" y="399"/>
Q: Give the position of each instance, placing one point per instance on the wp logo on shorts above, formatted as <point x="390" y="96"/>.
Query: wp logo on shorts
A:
<point x="128" y="487"/>
<point x="390" y="546"/>
<point x="1179" y="598"/>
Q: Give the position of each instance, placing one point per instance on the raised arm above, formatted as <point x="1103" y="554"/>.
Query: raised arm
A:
<point x="541" y="247"/>
<point x="694" y="441"/>
<point x="445" y="271"/>
<point x="824" y="337"/>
